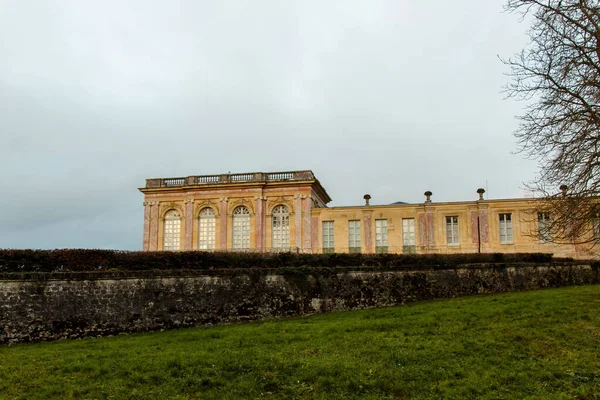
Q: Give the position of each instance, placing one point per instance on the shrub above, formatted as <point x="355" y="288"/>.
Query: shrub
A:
<point x="102" y="260"/>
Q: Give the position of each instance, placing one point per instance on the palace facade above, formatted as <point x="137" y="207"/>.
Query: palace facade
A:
<point x="287" y="211"/>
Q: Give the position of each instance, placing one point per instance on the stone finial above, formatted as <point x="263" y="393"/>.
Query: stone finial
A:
<point x="428" y="196"/>
<point x="481" y="191"/>
<point x="367" y="197"/>
<point x="563" y="189"/>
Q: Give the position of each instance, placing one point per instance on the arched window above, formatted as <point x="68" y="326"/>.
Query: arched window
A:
<point x="281" y="228"/>
<point x="172" y="230"/>
<point x="206" y="229"/>
<point x="241" y="228"/>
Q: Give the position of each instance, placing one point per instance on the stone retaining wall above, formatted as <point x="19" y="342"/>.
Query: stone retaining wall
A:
<point x="36" y="307"/>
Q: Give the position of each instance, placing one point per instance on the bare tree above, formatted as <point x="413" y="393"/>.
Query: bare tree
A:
<point x="558" y="76"/>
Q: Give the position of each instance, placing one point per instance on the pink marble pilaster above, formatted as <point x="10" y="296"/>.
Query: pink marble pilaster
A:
<point x="153" y="245"/>
<point x="483" y="225"/>
<point x="430" y="230"/>
<point x="189" y="224"/>
<point x="474" y="226"/>
<point x="422" y="229"/>
<point x="368" y="236"/>
<point x="479" y="226"/>
<point x="298" y="221"/>
<point x="260" y="223"/>
<point x="263" y="223"/>
<point x="223" y="224"/>
<point x="306" y="214"/>
<point x="146" y="238"/>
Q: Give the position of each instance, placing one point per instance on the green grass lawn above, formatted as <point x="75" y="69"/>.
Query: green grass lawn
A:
<point x="542" y="344"/>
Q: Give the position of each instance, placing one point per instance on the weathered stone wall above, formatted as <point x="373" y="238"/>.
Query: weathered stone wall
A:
<point x="37" y="307"/>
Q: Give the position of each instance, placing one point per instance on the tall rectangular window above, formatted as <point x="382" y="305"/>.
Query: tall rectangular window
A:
<point x="544" y="227"/>
<point x="172" y="230"/>
<point x="328" y="246"/>
<point x="241" y="228"/>
<point x="206" y="229"/>
<point x="408" y="232"/>
<point x="354" y="236"/>
<point x="452" y="238"/>
<point x="280" y="228"/>
<point x="596" y="227"/>
<point x="381" y="236"/>
<point x="506" y="228"/>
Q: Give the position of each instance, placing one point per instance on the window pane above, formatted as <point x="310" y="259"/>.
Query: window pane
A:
<point x="328" y="235"/>
<point x="506" y="235"/>
<point x="354" y="235"/>
<point x="241" y="228"/>
<point x="172" y="230"/>
<point x="206" y="229"/>
<point x="408" y="231"/>
<point x="452" y="230"/>
<point x="381" y="233"/>
<point x="280" y="228"/>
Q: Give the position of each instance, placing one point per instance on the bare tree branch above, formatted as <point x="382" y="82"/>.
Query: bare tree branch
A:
<point x="558" y="74"/>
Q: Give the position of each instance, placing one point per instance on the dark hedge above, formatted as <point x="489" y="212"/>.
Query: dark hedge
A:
<point x="71" y="260"/>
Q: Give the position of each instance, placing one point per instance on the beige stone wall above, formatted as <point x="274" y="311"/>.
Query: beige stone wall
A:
<point x="431" y="218"/>
<point x="306" y="201"/>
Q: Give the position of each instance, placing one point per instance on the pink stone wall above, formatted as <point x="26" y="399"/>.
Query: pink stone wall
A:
<point x="480" y="216"/>
<point x="483" y="225"/>
<point x="474" y="234"/>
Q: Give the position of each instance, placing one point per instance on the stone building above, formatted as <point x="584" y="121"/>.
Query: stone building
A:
<point x="287" y="211"/>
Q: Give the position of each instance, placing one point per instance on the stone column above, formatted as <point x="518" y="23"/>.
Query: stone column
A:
<point x="367" y="228"/>
<point x="189" y="224"/>
<point x="260" y="223"/>
<point x="307" y="220"/>
<point x="298" y="220"/>
<point x="153" y="245"/>
<point x="146" y="237"/>
<point x="223" y="224"/>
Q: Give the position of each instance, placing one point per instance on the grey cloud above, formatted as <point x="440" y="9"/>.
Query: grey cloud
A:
<point x="387" y="97"/>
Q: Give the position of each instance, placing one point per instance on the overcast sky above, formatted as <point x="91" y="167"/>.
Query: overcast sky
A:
<point x="390" y="98"/>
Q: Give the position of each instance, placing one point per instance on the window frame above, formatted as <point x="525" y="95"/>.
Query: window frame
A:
<point x="544" y="224"/>
<point x="596" y="228"/>
<point x="280" y="228"/>
<point x="354" y="236"/>
<point x="409" y="237"/>
<point x="452" y="230"/>
<point x="328" y="236"/>
<point x="172" y="222"/>
<point x="505" y="226"/>
<point x="381" y="235"/>
<point x="207" y="229"/>
<point x="240" y="228"/>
